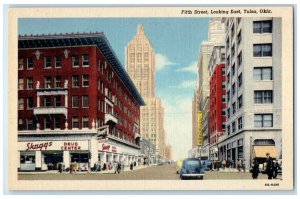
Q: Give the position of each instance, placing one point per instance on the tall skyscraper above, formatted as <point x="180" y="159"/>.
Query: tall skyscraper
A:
<point x="140" y="63"/>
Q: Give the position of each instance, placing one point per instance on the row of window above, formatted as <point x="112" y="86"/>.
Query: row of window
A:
<point x="57" y="61"/>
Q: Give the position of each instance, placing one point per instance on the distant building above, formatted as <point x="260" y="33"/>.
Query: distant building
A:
<point x="195" y="124"/>
<point x="76" y="103"/>
<point x="148" y="152"/>
<point x="216" y="34"/>
<point x="217" y="99"/>
<point x="140" y="63"/>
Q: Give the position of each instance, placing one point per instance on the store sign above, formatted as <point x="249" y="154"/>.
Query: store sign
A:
<point x="52" y="145"/>
<point x="109" y="148"/>
<point x="200" y="139"/>
<point x="42" y="146"/>
<point x="70" y="146"/>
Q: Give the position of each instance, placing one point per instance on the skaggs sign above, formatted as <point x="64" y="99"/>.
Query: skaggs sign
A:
<point x="41" y="146"/>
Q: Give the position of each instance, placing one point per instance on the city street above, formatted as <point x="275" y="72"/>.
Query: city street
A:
<point x="165" y="172"/>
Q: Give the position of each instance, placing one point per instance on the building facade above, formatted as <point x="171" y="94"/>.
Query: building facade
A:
<point x="216" y="33"/>
<point x="195" y="124"/>
<point x="140" y="63"/>
<point x="253" y="73"/>
<point x="217" y="98"/>
<point x="76" y="103"/>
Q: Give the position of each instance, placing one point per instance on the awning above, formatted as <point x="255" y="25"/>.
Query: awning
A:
<point x="260" y="151"/>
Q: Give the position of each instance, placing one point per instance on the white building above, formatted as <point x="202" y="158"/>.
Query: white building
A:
<point x="253" y="86"/>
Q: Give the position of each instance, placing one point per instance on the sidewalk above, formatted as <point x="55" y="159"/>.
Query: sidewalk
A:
<point x="126" y="169"/>
<point x="234" y="170"/>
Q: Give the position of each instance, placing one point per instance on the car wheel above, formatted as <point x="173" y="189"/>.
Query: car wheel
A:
<point x="201" y="178"/>
<point x="181" y="177"/>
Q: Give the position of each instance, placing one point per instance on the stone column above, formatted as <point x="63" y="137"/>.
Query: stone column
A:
<point x="38" y="160"/>
<point x="66" y="159"/>
<point x="38" y="101"/>
<point x="94" y="151"/>
<point x="66" y="100"/>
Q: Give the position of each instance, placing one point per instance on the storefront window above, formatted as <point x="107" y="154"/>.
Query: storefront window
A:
<point x="27" y="158"/>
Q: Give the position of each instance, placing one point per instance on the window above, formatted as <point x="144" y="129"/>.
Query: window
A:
<point x="47" y="81"/>
<point x="75" y="122"/>
<point x="228" y="130"/>
<point x="240" y="101"/>
<point x="20" y="84"/>
<point x="57" y="101"/>
<point x="20" y="64"/>
<point x="228" y="113"/>
<point x="233" y="70"/>
<point x="262" y="73"/>
<point x="232" y="51"/>
<point x="29" y="63"/>
<point x="75" y="61"/>
<point x="263" y="97"/>
<point x="75" y="81"/>
<point x="85" y="60"/>
<point x="232" y="30"/>
<point x="57" y="62"/>
<point x="240" y="79"/>
<point x="85" y="122"/>
<point x="228" y="61"/>
<point x="233" y="89"/>
<point x="240" y="123"/>
<point x="85" y="101"/>
<point x="75" y="101"/>
<point x="20" y="124"/>
<point x="263" y="120"/>
<point x="228" y="96"/>
<point x="262" y="26"/>
<point x="47" y="62"/>
<point x="47" y="101"/>
<point x="57" y="123"/>
<point x="239" y="37"/>
<point x="30" y="124"/>
<point x="262" y="50"/>
<point x="29" y="83"/>
<point x="47" y="123"/>
<point x="21" y="104"/>
<point x="240" y="59"/>
<point x="85" y="80"/>
<point x="233" y="126"/>
<point x="233" y="108"/>
<point x="228" y="78"/>
<point x="29" y="103"/>
<point x="57" y="82"/>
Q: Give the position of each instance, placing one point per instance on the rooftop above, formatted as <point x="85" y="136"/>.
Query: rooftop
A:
<point x="82" y="39"/>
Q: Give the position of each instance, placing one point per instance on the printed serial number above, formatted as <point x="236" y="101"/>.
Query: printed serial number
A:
<point x="272" y="184"/>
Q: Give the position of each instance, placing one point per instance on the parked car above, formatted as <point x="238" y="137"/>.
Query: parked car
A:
<point x="179" y="164"/>
<point x="206" y="164"/>
<point x="191" y="168"/>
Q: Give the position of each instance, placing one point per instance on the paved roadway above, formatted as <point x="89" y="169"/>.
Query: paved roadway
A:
<point x="166" y="172"/>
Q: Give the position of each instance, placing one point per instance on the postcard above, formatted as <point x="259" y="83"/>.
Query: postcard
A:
<point x="151" y="98"/>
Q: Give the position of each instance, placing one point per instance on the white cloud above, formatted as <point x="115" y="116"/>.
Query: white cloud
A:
<point x="187" y="84"/>
<point x="192" y="68"/>
<point x="162" y="61"/>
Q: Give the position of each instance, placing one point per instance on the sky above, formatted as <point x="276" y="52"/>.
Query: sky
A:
<point x="176" y="42"/>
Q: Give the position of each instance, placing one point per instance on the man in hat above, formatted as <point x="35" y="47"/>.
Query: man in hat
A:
<point x="269" y="166"/>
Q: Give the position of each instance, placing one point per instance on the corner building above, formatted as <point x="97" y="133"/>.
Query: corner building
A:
<point x="76" y="103"/>
<point x="254" y="89"/>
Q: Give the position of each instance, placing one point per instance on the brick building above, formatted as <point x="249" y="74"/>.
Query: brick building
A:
<point x="75" y="103"/>
<point x="217" y="98"/>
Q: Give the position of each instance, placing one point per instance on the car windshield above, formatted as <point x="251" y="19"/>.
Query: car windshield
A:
<point x="192" y="163"/>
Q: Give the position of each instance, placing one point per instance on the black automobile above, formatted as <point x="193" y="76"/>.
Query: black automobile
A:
<point x="191" y="168"/>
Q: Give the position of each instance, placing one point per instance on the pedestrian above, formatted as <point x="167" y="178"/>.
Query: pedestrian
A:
<point x="71" y="168"/>
<point x="244" y="165"/>
<point x="223" y="164"/>
<point x="95" y="167"/>
<point x="239" y="165"/>
<point x="75" y="167"/>
<point x="131" y="166"/>
<point x="269" y="166"/>
<point x="119" y="167"/>
<point x="255" y="170"/>
<point x="276" y="167"/>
